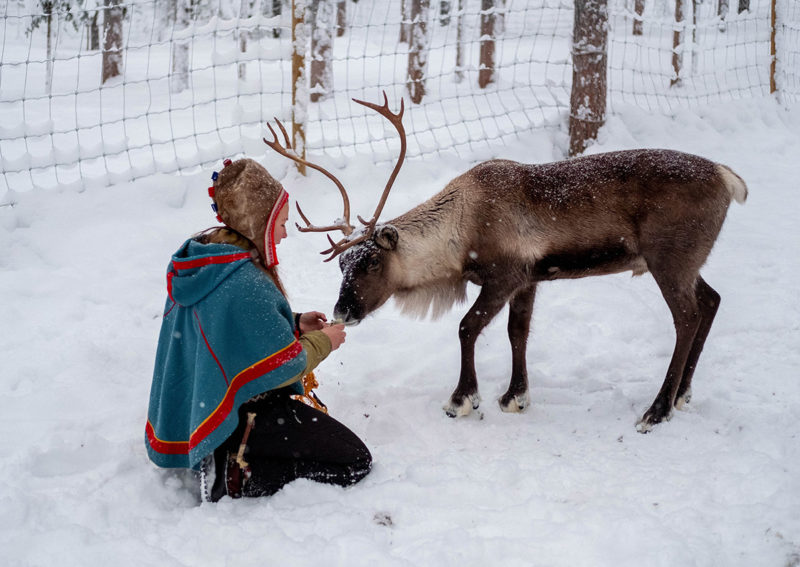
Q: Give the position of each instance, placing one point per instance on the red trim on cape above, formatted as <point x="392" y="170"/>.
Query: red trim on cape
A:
<point x="225" y="407"/>
<point x="209" y="260"/>
<point x="208" y="346"/>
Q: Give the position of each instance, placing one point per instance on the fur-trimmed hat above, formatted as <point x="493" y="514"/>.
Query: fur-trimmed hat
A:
<point x="248" y="200"/>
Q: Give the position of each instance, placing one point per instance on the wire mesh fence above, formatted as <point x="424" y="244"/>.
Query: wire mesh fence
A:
<point x="99" y="93"/>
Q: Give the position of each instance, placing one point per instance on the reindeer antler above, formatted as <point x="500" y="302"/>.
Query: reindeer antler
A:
<point x="345" y="226"/>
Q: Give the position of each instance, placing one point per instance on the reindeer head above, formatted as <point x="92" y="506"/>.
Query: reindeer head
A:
<point x="364" y="288"/>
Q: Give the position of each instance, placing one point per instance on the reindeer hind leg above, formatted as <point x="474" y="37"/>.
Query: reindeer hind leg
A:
<point x="707" y="303"/>
<point x="517" y="399"/>
<point x="678" y="289"/>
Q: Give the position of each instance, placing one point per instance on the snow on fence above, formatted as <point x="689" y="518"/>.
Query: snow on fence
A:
<point x="94" y="93"/>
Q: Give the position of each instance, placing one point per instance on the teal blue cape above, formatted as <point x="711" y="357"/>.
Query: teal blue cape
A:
<point x="227" y="335"/>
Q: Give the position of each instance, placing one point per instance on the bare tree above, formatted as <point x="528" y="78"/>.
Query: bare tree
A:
<point x="418" y="49"/>
<point x="638" y="8"/>
<point x="405" y="19"/>
<point x="444" y="12"/>
<point x="459" y="74"/>
<point x="112" y="39"/>
<point x="677" y="42"/>
<point x="179" y="77"/>
<point x="341" y="17"/>
<point x="92" y="22"/>
<point x="277" y="10"/>
<point x="486" y="68"/>
<point x="245" y="11"/>
<point x="322" y="23"/>
<point x="60" y="10"/>
<point x="589" y="57"/>
<point x="499" y="17"/>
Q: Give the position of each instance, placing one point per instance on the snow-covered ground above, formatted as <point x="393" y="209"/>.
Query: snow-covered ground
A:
<point x="568" y="483"/>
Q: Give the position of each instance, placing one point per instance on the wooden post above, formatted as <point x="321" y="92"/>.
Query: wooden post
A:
<point x="299" y="91"/>
<point x="589" y="56"/>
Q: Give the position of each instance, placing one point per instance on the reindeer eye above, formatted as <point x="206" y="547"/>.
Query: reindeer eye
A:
<point x="374" y="263"/>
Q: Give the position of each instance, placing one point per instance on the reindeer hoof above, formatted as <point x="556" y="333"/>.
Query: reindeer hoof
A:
<point x="515" y="404"/>
<point x="683" y="400"/>
<point x="462" y="409"/>
<point x="650" y="419"/>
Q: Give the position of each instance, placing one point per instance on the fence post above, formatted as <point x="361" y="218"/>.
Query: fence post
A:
<point x="299" y="91"/>
<point x="589" y="55"/>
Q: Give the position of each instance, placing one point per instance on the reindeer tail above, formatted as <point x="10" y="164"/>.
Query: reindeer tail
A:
<point x="735" y="184"/>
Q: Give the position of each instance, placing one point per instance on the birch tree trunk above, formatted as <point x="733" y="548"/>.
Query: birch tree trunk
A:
<point x="459" y="73"/>
<point x="179" y="75"/>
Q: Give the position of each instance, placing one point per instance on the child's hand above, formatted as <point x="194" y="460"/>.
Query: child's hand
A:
<point x="312" y="321"/>
<point x="336" y="334"/>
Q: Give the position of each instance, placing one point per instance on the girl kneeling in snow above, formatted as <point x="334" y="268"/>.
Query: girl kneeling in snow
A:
<point x="232" y="357"/>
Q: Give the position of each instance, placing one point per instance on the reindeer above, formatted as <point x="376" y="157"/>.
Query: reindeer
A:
<point x="507" y="226"/>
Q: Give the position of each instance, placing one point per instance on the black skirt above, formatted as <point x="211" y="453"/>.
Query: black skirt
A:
<point x="287" y="440"/>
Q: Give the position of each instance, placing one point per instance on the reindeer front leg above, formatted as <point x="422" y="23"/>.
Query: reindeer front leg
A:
<point x="517" y="398"/>
<point x="465" y="397"/>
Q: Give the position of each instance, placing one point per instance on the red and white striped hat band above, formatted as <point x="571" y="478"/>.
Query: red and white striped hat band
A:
<point x="269" y="231"/>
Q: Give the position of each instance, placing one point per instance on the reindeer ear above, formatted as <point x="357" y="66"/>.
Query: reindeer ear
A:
<point x="386" y="237"/>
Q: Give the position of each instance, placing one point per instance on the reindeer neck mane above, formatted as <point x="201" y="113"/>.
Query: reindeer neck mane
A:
<point x="428" y="262"/>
